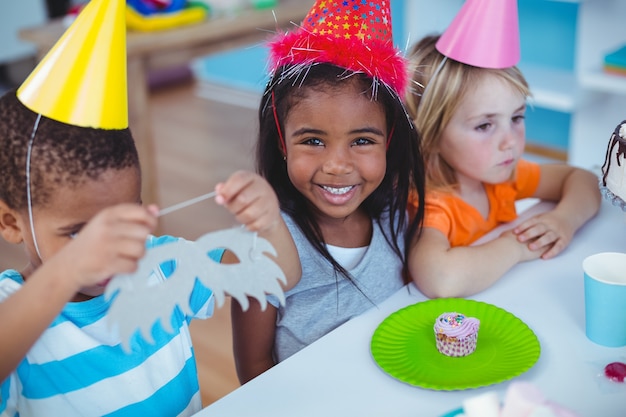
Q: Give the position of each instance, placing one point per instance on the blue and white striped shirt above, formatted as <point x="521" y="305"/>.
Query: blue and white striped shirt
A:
<point x="78" y="367"/>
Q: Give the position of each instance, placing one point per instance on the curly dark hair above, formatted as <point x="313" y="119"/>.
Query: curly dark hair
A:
<point x="405" y="168"/>
<point x="62" y="154"/>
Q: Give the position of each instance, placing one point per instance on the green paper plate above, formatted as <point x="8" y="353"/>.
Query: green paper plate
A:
<point x="403" y="345"/>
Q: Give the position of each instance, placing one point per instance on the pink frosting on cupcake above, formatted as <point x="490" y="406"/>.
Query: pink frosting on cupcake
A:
<point x="456" y="325"/>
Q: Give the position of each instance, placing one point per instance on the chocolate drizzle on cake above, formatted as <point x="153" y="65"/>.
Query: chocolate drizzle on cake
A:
<point x="616" y="139"/>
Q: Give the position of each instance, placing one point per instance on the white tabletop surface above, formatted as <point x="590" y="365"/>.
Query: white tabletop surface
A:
<point x="336" y="376"/>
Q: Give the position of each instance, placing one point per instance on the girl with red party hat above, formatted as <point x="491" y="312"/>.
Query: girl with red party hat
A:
<point x="468" y="100"/>
<point x="338" y="148"/>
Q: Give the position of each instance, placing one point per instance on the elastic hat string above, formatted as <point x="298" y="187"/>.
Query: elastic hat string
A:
<point x="28" y="185"/>
<point x="280" y="133"/>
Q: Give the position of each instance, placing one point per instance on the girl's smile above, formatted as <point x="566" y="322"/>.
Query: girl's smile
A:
<point x="338" y="195"/>
<point x="336" y="148"/>
<point x="338" y="190"/>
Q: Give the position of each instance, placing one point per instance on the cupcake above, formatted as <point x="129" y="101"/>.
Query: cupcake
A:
<point x="456" y="334"/>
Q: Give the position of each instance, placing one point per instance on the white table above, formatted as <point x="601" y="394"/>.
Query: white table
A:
<point x="336" y="376"/>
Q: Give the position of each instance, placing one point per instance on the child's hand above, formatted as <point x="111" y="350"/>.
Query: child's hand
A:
<point x="111" y="243"/>
<point x="547" y="232"/>
<point x="251" y="199"/>
<point x="526" y="253"/>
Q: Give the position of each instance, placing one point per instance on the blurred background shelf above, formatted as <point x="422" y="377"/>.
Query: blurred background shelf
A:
<point x="552" y="88"/>
<point x="597" y="80"/>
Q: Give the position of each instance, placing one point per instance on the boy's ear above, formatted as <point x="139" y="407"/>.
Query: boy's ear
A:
<point x="10" y="228"/>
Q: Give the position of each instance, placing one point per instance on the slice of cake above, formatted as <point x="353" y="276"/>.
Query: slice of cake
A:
<point x="613" y="182"/>
<point x="455" y="334"/>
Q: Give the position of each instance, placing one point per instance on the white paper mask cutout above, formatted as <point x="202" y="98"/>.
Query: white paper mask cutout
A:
<point x="143" y="297"/>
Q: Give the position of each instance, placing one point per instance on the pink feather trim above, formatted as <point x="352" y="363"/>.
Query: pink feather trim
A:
<point x="378" y="60"/>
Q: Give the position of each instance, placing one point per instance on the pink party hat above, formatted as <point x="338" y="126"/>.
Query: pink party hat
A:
<point x="485" y="33"/>
<point x="352" y="34"/>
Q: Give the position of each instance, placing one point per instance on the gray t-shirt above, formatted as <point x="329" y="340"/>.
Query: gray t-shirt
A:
<point x="323" y="299"/>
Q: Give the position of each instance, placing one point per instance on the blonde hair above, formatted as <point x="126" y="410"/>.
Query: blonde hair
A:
<point x="434" y="95"/>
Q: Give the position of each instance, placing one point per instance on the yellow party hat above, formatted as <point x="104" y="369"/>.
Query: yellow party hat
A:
<point x="82" y="80"/>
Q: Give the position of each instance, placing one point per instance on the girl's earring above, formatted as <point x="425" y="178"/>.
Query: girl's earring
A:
<point x="284" y="157"/>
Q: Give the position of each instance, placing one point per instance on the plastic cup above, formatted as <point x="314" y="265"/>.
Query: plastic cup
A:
<point x="605" y="298"/>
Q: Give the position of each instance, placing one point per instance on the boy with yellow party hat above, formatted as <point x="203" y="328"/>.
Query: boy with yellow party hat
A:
<point x="70" y="193"/>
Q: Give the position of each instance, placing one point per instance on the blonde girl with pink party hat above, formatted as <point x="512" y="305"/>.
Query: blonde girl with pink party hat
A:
<point x="338" y="148"/>
<point x="468" y="101"/>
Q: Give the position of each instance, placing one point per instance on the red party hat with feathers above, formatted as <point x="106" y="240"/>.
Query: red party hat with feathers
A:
<point x="352" y="34"/>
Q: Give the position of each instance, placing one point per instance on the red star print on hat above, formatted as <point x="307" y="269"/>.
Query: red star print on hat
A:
<point x="352" y="34"/>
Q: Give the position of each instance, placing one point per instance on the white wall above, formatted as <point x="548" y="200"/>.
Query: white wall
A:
<point x="424" y="18"/>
